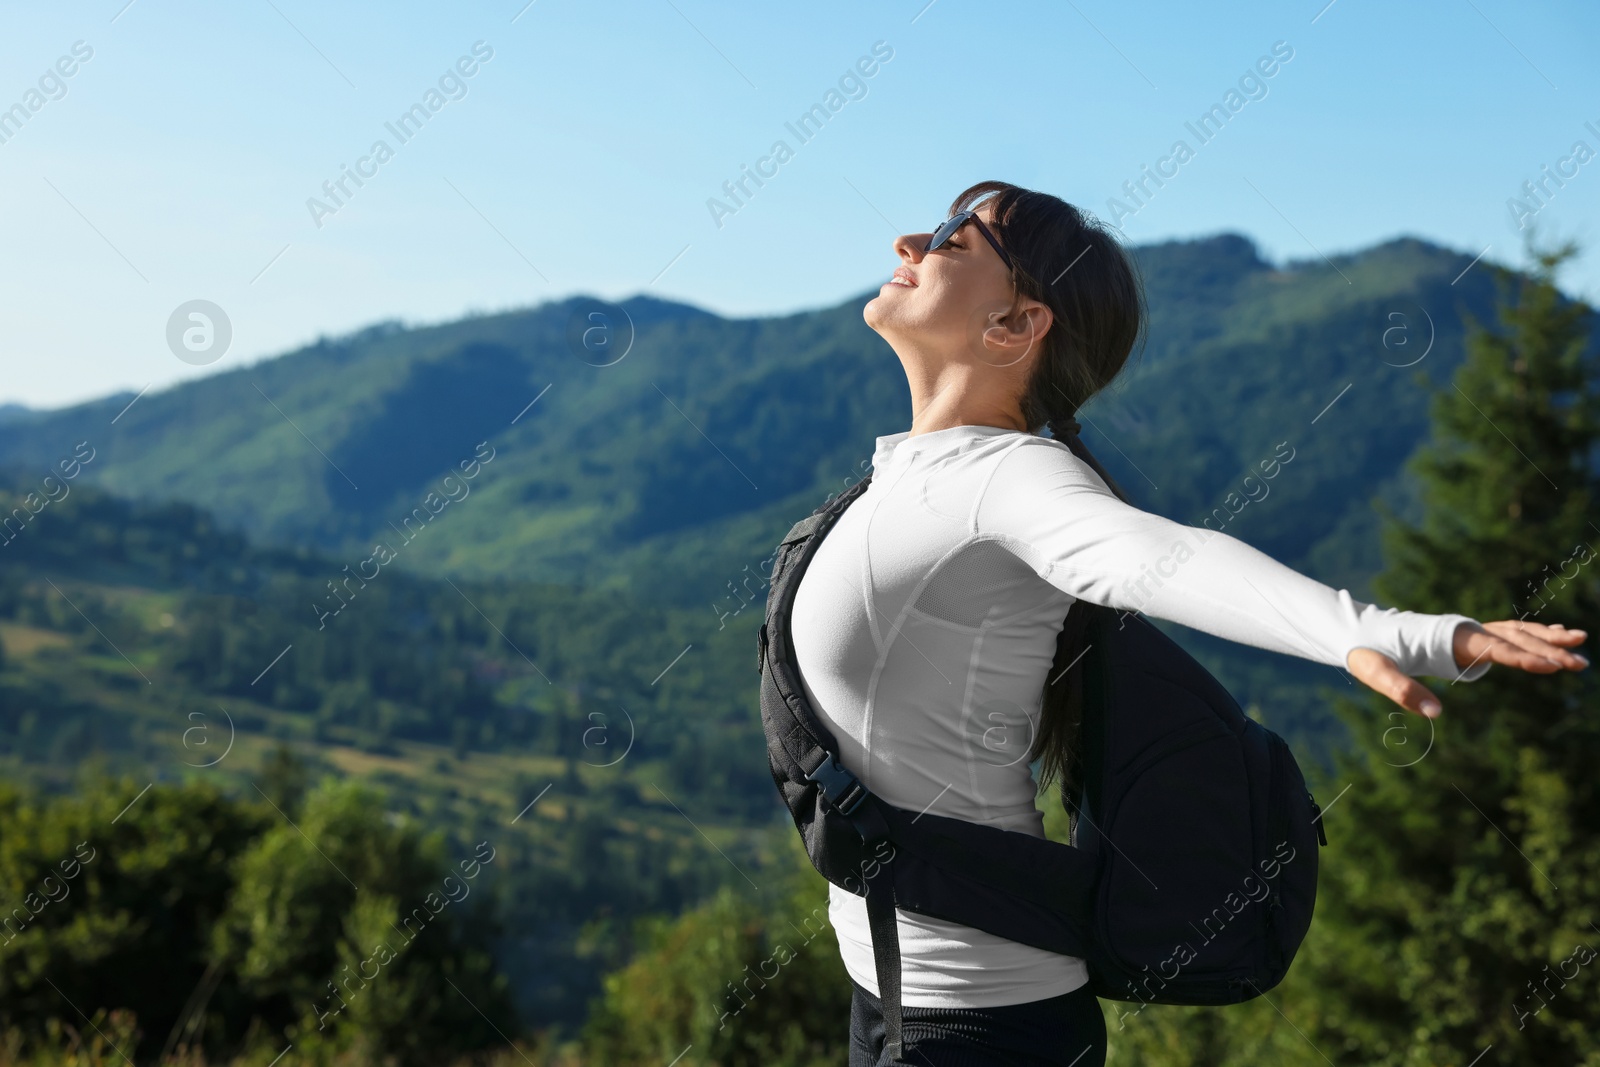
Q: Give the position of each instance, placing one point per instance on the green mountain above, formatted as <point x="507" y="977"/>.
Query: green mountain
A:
<point x="672" y="467"/>
<point x="574" y="511"/>
<point x="658" y="449"/>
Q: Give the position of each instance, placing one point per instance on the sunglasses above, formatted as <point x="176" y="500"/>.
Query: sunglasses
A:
<point x="949" y="226"/>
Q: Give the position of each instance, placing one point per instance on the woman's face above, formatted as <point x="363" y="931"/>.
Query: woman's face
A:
<point x="952" y="304"/>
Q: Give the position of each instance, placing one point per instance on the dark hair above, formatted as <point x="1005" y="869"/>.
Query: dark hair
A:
<point x="1071" y="262"/>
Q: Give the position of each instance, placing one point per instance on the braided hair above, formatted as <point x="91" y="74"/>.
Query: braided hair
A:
<point x="1068" y="431"/>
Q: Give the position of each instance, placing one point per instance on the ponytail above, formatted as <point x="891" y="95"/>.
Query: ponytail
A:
<point x="1057" y="745"/>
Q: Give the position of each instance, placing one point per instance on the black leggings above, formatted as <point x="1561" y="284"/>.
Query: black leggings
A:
<point x="1064" y="1031"/>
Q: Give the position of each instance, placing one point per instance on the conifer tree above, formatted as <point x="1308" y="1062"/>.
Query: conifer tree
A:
<point x="1459" y="907"/>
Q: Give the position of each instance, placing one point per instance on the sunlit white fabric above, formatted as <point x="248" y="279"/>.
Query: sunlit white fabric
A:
<point x="926" y="623"/>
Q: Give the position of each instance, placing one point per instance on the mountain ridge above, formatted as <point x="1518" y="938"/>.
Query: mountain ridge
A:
<point x="715" y="431"/>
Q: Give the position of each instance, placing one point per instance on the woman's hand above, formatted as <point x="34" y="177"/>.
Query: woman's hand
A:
<point x="1528" y="646"/>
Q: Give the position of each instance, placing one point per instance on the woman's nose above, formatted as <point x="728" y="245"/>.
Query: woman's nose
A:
<point x="909" y="246"/>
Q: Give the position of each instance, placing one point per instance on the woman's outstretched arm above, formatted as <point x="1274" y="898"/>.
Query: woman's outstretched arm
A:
<point x="1053" y="512"/>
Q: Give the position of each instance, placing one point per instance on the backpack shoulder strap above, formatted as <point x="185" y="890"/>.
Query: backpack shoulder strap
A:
<point x="802" y="529"/>
<point x="804" y="738"/>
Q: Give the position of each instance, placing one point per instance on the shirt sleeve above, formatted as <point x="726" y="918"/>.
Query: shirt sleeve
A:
<point x="1052" y="511"/>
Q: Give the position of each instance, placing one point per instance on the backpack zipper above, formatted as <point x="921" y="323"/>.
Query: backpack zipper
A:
<point x="1316" y="818"/>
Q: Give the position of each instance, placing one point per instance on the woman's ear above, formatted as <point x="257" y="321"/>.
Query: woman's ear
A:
<point x="1013" y="338"/>
<point x="1005" y="344"/>
<point x="1039" y="320"/>
<point x="1041" y="316"/>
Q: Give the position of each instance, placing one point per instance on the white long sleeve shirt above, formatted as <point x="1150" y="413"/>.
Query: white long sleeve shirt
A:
<point x="926" y="623"/>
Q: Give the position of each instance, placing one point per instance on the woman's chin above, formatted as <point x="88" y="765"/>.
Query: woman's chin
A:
<point x="876" y="312"/>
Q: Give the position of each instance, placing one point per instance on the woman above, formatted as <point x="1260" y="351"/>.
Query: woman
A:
<point x="925" y="626"/>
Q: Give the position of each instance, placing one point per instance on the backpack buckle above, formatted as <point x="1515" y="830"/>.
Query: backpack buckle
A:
<point x="843" y="789"/>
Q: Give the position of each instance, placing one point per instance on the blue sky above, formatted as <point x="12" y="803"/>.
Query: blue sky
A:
<point x="176" y="162"/>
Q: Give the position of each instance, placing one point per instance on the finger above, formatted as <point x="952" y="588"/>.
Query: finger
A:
<point x="1554" y="632"/>
<point x="1528" y="646"/>
<point x="1418" y="698"/>
<point x="1511" y="650"/>
<point x="1379" y="672"/>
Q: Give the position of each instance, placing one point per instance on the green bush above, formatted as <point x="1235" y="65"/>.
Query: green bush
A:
<point x="732" y="983"/>
<point x="203" y="925"/>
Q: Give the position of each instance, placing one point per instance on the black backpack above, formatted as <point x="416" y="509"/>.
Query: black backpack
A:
<point x="1192" y="871"/>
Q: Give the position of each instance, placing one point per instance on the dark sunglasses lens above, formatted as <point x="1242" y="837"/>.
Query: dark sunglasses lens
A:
<point x="946" y="228"/>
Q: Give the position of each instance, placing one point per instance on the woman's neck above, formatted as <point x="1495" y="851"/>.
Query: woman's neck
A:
<point x="957" y="397"/>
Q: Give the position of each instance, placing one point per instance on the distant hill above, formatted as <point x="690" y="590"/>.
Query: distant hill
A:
<point x="686" y="457"/>
<point x="669" y="473"/>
